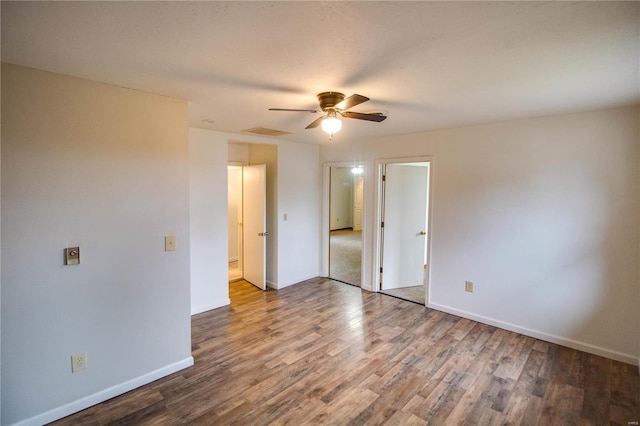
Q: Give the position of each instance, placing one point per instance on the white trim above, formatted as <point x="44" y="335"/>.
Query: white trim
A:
<point x="277" y="286"/>
<point x="573" y="344"/>
<point x="217" y="304"/>
<point x="377" y="235"/>
<point x="326" y="182"/>
<point x="324" y="226"/>
<point x="98" y="397"/>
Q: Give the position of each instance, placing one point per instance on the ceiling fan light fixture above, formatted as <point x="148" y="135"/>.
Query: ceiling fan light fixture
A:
<point x="331" y="124"/>
<point x="335" y="105"/>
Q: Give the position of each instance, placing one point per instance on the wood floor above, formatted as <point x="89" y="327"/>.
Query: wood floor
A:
<point x="323" y="352"/>
<point x="235" y="273"/>
<point x="415" y="294"/>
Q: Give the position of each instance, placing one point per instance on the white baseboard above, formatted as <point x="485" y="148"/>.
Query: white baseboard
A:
<point x="98" y="397"/>
<point x="563" y="341"/>
<point x="271" y="284"/>
<point x="367" y="286"/>
<point x="296" y="281"/>
<point x="218" y="303"/>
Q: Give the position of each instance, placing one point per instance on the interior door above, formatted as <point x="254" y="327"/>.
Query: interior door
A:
<point x="405" y="225"/>
<point x="254" y="208"/>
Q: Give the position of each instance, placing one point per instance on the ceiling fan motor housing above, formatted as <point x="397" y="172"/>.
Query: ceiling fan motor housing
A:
<point x="328" y="100"/>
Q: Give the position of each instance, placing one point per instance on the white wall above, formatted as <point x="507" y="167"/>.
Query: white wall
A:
<point x="106" y="169"/>
<point x="238" y="153"/>
<point x="542" y="215"/>
<point x="234" y="182"/>
<point x="208" y="212"/>
<point x="341" y="211"/>
<point x="299" y="197"/>
<point x="297" y="252"/>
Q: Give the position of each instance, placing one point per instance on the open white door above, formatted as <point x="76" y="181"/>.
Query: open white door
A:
<point x="254" y="207"/>
<point x="405" y="225"/>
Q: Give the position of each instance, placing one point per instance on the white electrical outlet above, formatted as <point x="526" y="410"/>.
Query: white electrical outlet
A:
<point x="468" y="286"/>
<point x="78" y="362"/>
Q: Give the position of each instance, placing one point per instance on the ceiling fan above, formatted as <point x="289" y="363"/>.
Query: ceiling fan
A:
<point x="335" y="105"/>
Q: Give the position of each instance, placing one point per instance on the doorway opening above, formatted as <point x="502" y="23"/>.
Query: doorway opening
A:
<point x="234" y="194"/>
<point x="346" y="196"/>
<point x="404" y="229"/>
<point x="247" y="224"/>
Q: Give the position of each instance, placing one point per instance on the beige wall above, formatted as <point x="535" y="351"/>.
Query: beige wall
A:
<point x="106" y="169"/>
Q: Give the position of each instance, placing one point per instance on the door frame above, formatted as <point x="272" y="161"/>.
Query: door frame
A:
<point x="326" y="205"/>
<point x="240" y="211"/>
<point x="378" y="213"/>
<point x="239" y="225"/>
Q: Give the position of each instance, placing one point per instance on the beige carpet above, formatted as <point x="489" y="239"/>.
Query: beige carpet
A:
<point x="413" y="294"/>
<point x="345" y="256"/>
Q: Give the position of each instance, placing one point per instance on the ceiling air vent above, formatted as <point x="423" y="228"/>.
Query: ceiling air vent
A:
<point x="266" y="132"/>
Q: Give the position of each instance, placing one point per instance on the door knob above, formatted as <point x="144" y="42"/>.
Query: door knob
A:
<point x="263" y="234"/>
<point x="423" y="233"/>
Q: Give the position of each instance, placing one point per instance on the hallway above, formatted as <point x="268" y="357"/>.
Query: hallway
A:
<point x="345" y="256"/>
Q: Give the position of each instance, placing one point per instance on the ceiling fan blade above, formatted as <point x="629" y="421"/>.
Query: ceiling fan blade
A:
<point x="315" y="123"/>
<point x="351" y="101"/>
<point x="298" y="110"/>
<point x="362" y="116"/>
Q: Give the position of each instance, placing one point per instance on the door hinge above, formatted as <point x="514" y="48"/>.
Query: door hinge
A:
<point x="381" y="269"/>
<point x="384" y="178"/>
<point x="381" y="224"/>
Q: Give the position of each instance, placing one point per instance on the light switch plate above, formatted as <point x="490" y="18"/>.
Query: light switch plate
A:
<point x="170" y="243"/>
<point x="72" y="256"/>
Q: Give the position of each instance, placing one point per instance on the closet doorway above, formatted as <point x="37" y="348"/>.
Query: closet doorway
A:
<point x="247" y="223"/>
<point x="346" y="192"/>
<point x="403" y="230"/>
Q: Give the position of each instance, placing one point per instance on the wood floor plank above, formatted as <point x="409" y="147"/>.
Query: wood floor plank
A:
<point x="437" y="407"/>
<point x="326" y="353"/>
<point x="515" y="409"/>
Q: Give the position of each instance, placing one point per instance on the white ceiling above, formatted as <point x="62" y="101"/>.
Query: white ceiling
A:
<point x="427" y="64"/>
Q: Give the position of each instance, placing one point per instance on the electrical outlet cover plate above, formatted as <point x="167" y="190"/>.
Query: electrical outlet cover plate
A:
<point x="468" y="286"/>
<point x="78" y="362"/>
